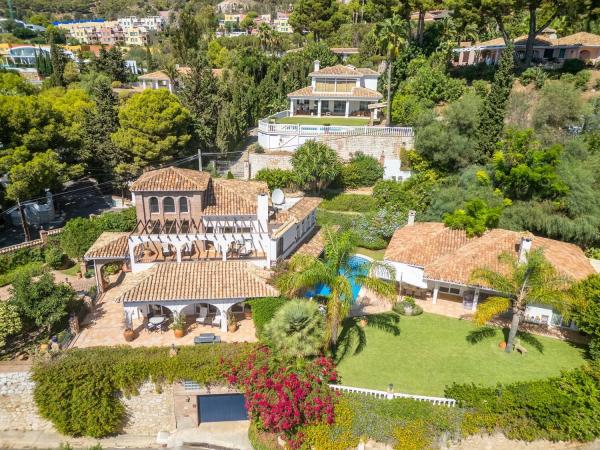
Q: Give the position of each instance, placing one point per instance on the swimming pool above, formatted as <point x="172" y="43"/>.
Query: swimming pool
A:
<point x="356" y="266"/>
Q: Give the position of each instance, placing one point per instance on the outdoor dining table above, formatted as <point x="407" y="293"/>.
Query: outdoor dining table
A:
<point x="157" y="320"/>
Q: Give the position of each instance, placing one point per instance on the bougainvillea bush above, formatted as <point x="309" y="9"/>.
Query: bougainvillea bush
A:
<point x="282" y="399"/>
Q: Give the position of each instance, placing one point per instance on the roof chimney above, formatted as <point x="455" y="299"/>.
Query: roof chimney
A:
<point x="525" y="247"/>
<point x="317" y="65"/>
<point x="411" y="218"/>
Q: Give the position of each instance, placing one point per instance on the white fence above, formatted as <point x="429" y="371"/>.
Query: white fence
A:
<point x="450" y="402"/>
<point x="265" y="126"/>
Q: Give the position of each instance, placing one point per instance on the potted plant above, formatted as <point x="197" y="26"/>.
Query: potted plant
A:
<point x="247" y="312"/>
<point x="129" y="334"/>
<point x="44" y="347"/>
<point x="178" y="325"/>
<point x="232" y="325"/>
<point x="363" y="321"/>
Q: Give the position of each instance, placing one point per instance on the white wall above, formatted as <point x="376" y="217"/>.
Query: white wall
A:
<point x="370" y="82"/>
<point x="406" y="273"/>
<point x="392" y="170"/>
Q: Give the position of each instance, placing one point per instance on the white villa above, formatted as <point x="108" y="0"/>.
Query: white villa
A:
<point x="160" y="79"/>
<point x="202" y="243"/>
<point x="344" y="91"/>
<point x="436" y="262"/>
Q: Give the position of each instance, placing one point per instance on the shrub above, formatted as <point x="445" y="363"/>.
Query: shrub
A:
<point x="350" y="202"/>
<point x="573" y="65"/>
<point x="362" y="170"/>
<point x="374" y="228"/>
<point x="336" y="436"/>
<point x="281" y="400"/>
<point x="413" y="435"/>
<point x="534" y="75"/>
<point x="230" y="175"/>
<point x="277" y="178"/>
<point x="481" y="87"/>
<point x="10" y="322"/>
<point x="54" y="257"/>
<point x="563" y="408"/>
<point x="79" y="391"/>
<point x="263" y="310"/>
<point x="579" y="80"/>
<point x="297" y="330"/>
<point x="33" y="268"/>
<point x="11" y="261"/>
<point x="261" y="440"/>
<point x="407" y="307"/>
<point x="112" y="268"/>
<point x="316" y="165"/>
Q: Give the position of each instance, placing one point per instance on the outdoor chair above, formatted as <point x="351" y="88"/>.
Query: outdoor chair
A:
<point x="244" y="251"/>
<point x="202" y="315"/>
<point x="151" y="327"/>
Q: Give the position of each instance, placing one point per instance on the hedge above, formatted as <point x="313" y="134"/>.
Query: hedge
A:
<point x="263" y="310"/>
<point x="350" y="202"/>
<point x="563" y="408"/>
<point x="79" y="391"/>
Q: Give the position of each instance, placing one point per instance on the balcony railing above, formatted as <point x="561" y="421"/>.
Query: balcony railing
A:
<point x="265" y="126"/>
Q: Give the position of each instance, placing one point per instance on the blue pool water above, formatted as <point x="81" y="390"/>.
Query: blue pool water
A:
<point x="356" y="266"/>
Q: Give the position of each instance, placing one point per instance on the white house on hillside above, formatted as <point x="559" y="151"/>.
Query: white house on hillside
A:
<point x="339" y="90"/>
<point x="437" y="262"/>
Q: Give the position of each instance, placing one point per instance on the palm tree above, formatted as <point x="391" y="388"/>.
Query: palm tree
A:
<point x="170" y="69"/>
<point x="392" y="35"/>
<point x="305" y="272"/>
<point x="524" y="282"/>
<point x="265" y="35"/>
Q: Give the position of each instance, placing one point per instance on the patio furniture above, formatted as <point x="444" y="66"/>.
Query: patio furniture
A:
<point x="156" y="320"/>
<point x="151" y="326"/>
<point x="202" y="315"/>
<point x="244" y="251"/>
<point x="206" y="338"/>
<point x="166" y="250"/>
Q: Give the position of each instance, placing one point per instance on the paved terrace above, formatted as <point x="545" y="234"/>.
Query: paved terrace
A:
<point x="105" y="326"/>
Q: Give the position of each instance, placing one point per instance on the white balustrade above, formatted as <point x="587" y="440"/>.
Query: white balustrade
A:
<point x="450" y="402"/>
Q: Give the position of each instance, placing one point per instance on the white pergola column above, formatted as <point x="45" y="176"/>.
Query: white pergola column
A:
<point x="223" y="309"/>
<point x="319" y="108"/>
<point x="475" y="300"/>
<point x="292" y="108"/>
<point x="178" y="253"/>
<point x="224" y="252"/>
<point x="347" y="108"/>
<point x="436" y="289"/>
<point x="144" y="84"/>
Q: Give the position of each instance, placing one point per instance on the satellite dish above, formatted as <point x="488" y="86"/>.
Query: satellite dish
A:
<point x="278" y="197"/>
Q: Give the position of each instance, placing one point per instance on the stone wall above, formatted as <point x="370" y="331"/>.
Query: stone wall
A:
<point x="147" y="413"/>
<point x="279" y="160"/>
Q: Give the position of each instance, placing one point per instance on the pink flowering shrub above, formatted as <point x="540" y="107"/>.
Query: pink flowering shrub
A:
<point x="282" y="399"/>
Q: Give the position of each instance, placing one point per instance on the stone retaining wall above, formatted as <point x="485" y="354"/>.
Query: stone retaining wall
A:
<point x="147" y="413"/>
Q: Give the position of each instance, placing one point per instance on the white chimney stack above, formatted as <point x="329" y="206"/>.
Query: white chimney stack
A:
<point x="317" y="65"/>
<point x="262" y="212"/>
<point x="411" y="218"/>
<point x="525" y="247"/>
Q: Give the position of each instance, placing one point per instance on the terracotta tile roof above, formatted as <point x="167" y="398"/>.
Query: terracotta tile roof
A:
<point x="199" y="280"/>
<point x="367" y="71"/>
<point x="338" y="69"/>
<point x="357" y="92"/>
<point x="484" y="251"/>
<point x="110" y="245"/>
<point x="304" y="207"/>
<point x="233" y="197"/>
<point x="581" y="38"/>
<point x="315" y="244"/>
<point x="162" y="75"/>
<point x="447" y="255"/>
<point x="423" y="243"/>
<point x="171" y="179"/>
<point x="344" y="50"/>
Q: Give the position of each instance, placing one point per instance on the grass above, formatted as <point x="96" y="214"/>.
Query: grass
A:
<point x="72" y="271"/>
<point x="348" y="121"/>
<point x="431" y="352"/>
<point x="350" y="202"/>
<point x="377" y="255"/>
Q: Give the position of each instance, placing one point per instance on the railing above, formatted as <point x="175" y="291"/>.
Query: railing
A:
<point x="450" y="402"/>
<point x="265" y="126"/>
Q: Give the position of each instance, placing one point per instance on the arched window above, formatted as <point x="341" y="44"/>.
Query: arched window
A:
<point x="153" y="205"/>
<point x="169" y="205"/>
<point x="183" y="204"/>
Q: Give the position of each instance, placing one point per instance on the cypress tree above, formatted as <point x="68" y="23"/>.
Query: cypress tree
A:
<point x="494" y="107"/>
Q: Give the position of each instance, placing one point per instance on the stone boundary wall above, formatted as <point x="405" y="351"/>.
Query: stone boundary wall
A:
<point x="345" y="146"/>
<point x="146" y="414"/>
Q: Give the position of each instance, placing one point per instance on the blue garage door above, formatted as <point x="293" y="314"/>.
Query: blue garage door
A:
<point x="221" y="408"/>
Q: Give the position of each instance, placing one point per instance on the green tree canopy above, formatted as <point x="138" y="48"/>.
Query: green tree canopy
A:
<point x="315" y="165"/>
<point x="154" y="127"/>
<point x="14" y="84"/>
<point x="524" y="170"/>
<point x="41" y="301"/>
<point x="297" y="330"/>
<point x="475" y="218"/>
<point x="321" y="17"/>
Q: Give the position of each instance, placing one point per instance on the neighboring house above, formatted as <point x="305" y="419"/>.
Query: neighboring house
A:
<point x="547" y="49"/>
<point x="23" y="55"/>
<point x="281" y="23"/>
<point x="339" y="90"/>
<point x="437" y="261"/>
<point x="200" y="239"/>
<point x="345" y="52"/>
<point x="160" y="79"/>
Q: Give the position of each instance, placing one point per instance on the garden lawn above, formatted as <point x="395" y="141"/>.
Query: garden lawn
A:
<point x="347" y="121"/>
<point x="431" y="352"/>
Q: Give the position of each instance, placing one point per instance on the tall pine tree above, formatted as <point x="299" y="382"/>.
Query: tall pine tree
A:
<point x="494" y="107"/>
